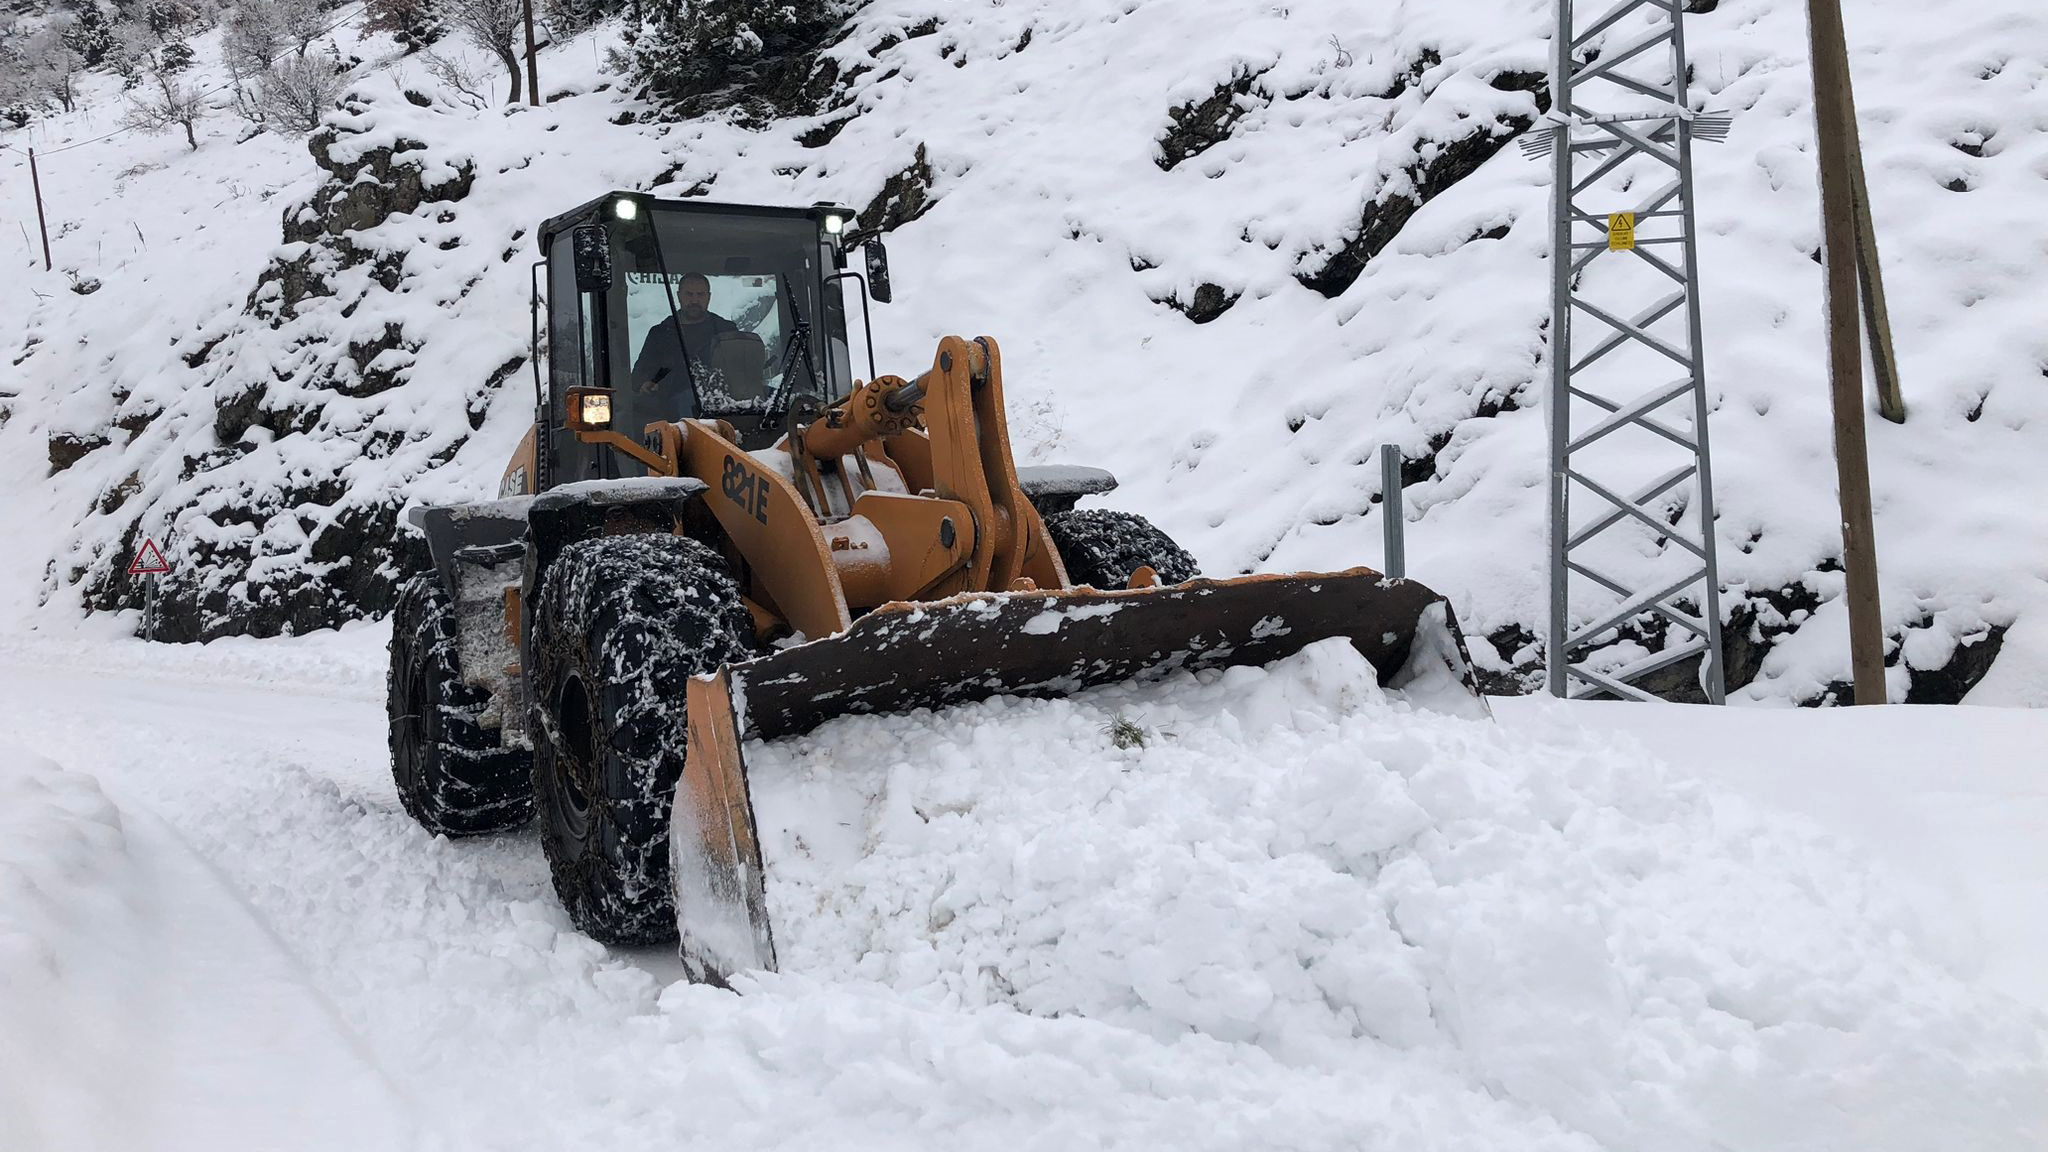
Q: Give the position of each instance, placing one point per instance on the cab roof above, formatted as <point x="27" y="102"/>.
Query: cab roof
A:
<point x="591" y="211"/>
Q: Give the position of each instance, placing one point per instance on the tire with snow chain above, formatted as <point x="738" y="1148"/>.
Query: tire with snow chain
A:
<point x="1102" y="548"/>
<point x="451" y="773"/>
<point x="621" y="625"/>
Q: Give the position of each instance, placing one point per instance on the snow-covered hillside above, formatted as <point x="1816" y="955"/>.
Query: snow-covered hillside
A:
<point x="1324" y="187"/>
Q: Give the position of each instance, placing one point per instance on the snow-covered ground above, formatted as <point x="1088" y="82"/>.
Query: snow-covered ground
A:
<point x="1302" y="915"/>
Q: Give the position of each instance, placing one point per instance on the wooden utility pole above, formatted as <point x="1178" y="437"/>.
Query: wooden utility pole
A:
<point x="532" y="70"/>
<point x="1834" y="107"/>
<point x="1884" y="362"/>
<point x="35" y="180"/>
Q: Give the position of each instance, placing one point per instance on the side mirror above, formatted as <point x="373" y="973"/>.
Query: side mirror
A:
<point x="593" y="247"/>
<point x="878" y="271"/>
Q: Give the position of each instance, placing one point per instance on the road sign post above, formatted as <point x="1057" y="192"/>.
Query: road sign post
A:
<point x="149" y="562"/>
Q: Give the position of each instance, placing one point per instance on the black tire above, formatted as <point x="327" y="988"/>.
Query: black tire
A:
<point x="621" y="625"/>
<point x="1102" y="548"/>
<point x="451" y="773"/>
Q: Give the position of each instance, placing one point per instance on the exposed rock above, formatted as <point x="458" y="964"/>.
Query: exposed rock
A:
<point x="349" y="203"/>
<point x="1521" y="677"/>
<point x="1425" y="60"/>
<point x="133" y="422"/>
<point x="825" y="131"/>
<point x="1210" y="301"/>
<point x="478" y="404"/>
<point x="904" y="197"/>
<point x="373" y="378"/>
<point x="337" y="541"/>
<point x="198" y="356"/>
<point x="1200" y="125"/>
<point x="119" y="494"/>
<point x="66" y="449"/>
<point x="283" y="286"/>
<point x="1382" y="220"/>
<point x="1953" y="681"/>
<point x="1754" y="625"/>
<point x="359" y="579"/>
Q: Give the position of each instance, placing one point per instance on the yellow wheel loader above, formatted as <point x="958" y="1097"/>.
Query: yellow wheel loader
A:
<point x="715" y="533"/>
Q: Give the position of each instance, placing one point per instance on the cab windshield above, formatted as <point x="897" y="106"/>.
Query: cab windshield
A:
<point x="722" y="318"/>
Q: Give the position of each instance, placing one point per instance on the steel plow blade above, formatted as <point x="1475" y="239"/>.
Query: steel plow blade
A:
<point x="902" y="657"/>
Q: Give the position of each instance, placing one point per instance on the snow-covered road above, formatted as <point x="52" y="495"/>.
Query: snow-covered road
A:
<point x="218" y="930"/>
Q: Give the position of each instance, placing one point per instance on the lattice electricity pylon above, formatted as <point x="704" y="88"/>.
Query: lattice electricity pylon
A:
<point x="1628" y="416"/>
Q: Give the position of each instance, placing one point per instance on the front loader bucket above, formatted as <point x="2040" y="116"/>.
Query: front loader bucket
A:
<point x="971" y="647"/>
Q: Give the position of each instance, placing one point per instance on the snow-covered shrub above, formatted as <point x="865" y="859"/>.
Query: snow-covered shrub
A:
<point x="697" y="55"/>
<point x="413" y="23"/>
<point x="91" y="34"/>
<point x="297" y="91"/>
<point x="568" y="17"/>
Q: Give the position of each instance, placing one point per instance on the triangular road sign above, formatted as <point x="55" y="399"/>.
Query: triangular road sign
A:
<point x="148" y="561"/>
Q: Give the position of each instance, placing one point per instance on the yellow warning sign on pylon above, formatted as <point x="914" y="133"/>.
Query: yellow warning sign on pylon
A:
<point x="1621" y="231"/>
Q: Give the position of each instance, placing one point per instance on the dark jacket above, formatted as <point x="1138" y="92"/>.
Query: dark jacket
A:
<point x="663" y="350"/>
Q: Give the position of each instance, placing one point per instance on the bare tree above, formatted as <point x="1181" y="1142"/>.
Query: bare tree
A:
<point x="300" y="21"/>
<point x="250" y="41"/>
<point x="53" y="68"/>
<point x="38" y="69"/>
<point x="491" y="25"/>
<point x="467" y="85"/>
<point x="298" y="90"/>
<point x="168" y="101"/>
<point x="132" y="51"/>
<point x="254" y="37"/>
<point x="17" y="94"/>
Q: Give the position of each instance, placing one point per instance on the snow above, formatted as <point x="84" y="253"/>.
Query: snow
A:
<point x="145" y="1005"/>
<point x="1298" y="863"/>
<point x="1304" y="914"/>
<point x="1048" y="622"/>
<point x="624" y="491"/>
<point x="1951" y="807"/>
<point x="858" y="546"/>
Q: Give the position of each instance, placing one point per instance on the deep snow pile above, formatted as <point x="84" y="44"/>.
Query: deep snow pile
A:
<point x="1294" y="860"/>
<point x="63" y="867"/>
<point x="1327" y="188"/>
<point x="142" y="1006"/>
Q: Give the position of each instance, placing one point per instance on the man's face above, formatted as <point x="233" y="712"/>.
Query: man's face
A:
<point x="693" y="302"/>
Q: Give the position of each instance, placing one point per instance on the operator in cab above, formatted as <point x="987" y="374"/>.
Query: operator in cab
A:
<point x="692" y="332"/>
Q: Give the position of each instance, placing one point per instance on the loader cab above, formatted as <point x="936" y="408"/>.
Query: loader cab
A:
<point x="628" y="278"/>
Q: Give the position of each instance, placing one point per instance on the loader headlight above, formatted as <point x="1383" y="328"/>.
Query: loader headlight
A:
<point x="626" y="210"/>
<point x="834" y="225"/>
<point x="588" y="409"/>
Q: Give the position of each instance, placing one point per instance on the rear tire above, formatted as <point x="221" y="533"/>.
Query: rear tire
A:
<point x="1101" y="548"/>
<point x="621" y="625"/>
<point x="451" y="773"/>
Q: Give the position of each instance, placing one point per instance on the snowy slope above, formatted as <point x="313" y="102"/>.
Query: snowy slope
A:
<point x="1049" y="199"/>
<point x="1428" y="932"/>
